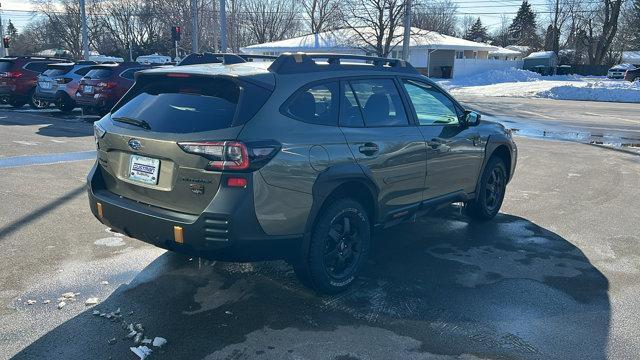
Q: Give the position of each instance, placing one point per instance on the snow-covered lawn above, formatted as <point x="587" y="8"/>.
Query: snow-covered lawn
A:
<point x="522" y="83"/>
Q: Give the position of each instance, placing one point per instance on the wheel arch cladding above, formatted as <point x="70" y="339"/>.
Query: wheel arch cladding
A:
<point x="348" y="181"/>
<point x="502" y="151"/>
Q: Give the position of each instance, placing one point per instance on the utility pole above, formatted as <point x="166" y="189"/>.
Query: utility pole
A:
<point x="407" y="30"/>
<point x="194" y="26"/>
<point x="556" y="44"/>
<point x="85" y="31"/>
<point x="223" y="26"/>
<point x="5" y="51"/>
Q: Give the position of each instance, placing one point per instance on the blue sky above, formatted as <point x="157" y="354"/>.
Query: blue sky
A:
<point x="489" y="11"/>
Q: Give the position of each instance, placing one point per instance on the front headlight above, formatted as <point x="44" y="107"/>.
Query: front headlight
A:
<point x="98" y="132"/>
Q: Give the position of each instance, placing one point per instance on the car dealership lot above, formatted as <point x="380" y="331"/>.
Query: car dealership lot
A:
<point x="553" y="276"/>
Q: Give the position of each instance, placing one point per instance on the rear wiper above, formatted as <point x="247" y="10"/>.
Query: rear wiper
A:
<point x="135" y="122"/>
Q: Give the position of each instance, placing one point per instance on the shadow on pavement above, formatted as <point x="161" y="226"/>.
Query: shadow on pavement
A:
<point x="502" y="289"/>
<point x="54" y="123"/>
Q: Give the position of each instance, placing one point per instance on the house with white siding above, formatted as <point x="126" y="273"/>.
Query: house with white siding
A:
<point x="433" y="54"/>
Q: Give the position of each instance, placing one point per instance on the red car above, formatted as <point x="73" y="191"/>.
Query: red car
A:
<point x="18" y="79"/>
<point x="104" y="85"/>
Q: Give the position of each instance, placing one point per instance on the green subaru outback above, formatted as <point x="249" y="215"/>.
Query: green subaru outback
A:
<point x="301" y="158"/>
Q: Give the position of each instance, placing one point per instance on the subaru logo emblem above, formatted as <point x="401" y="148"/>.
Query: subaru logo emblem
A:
<point x="135" y="144"/>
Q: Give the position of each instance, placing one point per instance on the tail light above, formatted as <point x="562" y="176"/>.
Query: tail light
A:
<point x="232" y="155"/>
<point x="63" y="80"/>
<point x="106" y="84"/>
<point x="11" y="74"/>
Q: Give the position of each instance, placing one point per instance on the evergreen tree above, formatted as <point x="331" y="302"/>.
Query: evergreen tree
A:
<point x="477" y="32"/>
<point x="522" y="30"/>
<point x="11" y="30"/>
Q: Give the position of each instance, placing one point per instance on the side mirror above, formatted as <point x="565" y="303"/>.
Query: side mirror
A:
<point x="472" y="118"/>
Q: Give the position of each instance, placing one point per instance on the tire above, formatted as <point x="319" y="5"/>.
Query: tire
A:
<point x="65" y="105"/>
<point x="490" y="195"/>
<point x="35" y="103"/>
<point x="337" y="248"/>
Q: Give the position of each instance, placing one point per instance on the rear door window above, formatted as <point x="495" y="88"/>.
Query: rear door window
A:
<point x="316" y="104"/>
<point x="350" y="114"/>
<point x="36" y="66"/>
<point x="5" y="66"/>
<point x="128" y="74"/>
<point x="56" y="71"/>
<point x="99" y="73"/>
<point x="83" y="71"/>
<point x="380" y="102"/>
<point x="189" y="105"/>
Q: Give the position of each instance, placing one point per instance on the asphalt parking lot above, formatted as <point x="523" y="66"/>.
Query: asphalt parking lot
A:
<point x="554" y="276"/>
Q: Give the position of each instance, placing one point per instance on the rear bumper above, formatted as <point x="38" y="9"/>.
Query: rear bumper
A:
<point x="226" y="230"/>
<point x="45" y="95"/>
<point x="91" y="101"/>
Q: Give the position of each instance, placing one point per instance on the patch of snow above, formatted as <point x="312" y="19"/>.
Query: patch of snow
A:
<point x="141" y="351"/>
<point x="91" y="301"/>
<point x="523" y="83"/>
<point x="541" y="55"/>
<point x="159" y="341"/>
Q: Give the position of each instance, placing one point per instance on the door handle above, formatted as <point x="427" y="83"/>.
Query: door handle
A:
<point x="369" y="148"/>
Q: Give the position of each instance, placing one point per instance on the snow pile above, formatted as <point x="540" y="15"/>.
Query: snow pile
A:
<point x="596" y="91"/>
<point x="502" y="76"/>
<point x="523" y="83"/>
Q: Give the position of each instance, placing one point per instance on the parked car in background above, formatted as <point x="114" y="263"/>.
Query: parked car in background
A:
<point x="618" y="71"/>
<point x="632" y="74"/>
<point x="18" y="79"/>
<point x="59" y="83"/>
<point x="104" y="85"/>
<point x="154" y="59"/>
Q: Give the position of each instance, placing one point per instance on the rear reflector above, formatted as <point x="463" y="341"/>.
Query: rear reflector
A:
<point x="100" y="211"/>
<point x="178" y="235"/>
<point x="237" y="182"/>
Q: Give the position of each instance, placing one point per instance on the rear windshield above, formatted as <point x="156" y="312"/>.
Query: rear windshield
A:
<point x="188" y="105"/>
<point x="5" y="66"/>
<point x="56" y="71"/>
<point x="99" y="73"/>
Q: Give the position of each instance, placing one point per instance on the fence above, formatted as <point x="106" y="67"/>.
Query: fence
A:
<point x="466" y="67"/>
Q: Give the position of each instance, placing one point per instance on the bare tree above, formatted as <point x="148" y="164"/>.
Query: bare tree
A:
<point x="376" y="23"/>
<point x="323" y="15"/>
<point x="601" y="26"/>
<point x="270" y="20"/>
<point x="466" y="24"/>
<point x="438" y="16"/>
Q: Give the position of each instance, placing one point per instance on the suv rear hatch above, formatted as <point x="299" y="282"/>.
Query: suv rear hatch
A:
<point x="6" y="74"/>
<point x="167" y="134"/>
<point x="51" y="79"/>
<point x="97" y="80"/>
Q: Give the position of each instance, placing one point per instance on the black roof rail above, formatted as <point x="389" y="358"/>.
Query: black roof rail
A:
<point x="289" y="63"/>
<point x="211" y="58"/>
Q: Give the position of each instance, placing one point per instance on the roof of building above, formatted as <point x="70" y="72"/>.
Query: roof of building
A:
<point x="505" y="52"/>
<point x="349" y="39"/>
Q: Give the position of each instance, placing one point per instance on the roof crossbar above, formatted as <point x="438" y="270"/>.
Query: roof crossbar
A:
<point x="221" y="58"/>
<point x="300" y="62"/>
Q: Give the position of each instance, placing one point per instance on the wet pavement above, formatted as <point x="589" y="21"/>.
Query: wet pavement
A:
<point x="554" y="276"/>
<point x="612" y="125"/>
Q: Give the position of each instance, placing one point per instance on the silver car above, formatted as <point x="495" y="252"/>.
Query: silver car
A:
<point x="59" y="83"/>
